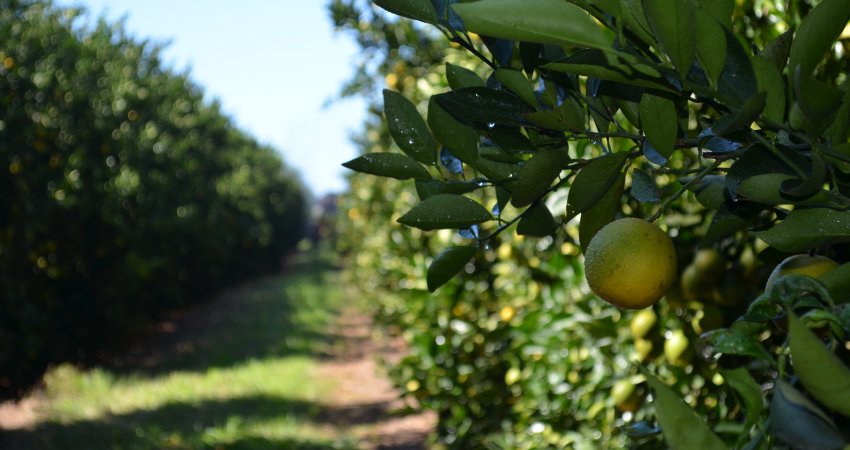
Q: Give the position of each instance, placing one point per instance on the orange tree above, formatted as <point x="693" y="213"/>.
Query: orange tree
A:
<point x="726" y="126"/>
<point x="123" y="192"/>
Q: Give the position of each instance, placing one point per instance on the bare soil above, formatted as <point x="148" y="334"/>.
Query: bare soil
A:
<point x="365" y="404"/>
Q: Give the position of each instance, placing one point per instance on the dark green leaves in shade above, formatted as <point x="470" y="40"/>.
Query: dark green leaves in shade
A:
<point x="393" y="165"/>
<point x="741" y="118"/>
<point x="837" y="282"/>
<point x="430" y="188"/>
<point x="644" y="189"/>
<point x="445" y="211"/>
<point x="733" y="342"/>
<point x="484" y="108"/>
<point x="720" y="10"/>
<point x="421" y="10"/>
<point x="776" y="52"/>
<point x="712" y="57"/>
<point x="407" y="128"/>
<point x="817" y="34"/>
<point x="543" y="21"/>
<point x="737" y="82"/>
<point x="601" y="213"/>
<point x="804" y="229"/>
<point x="537" y="221"/>
<point x="673" y="22"/>
<point x="536" y="176"/>
<point x="517" y="83"/>
<point x="592" y="182"/>
<point x="681" y="426"/>
<point x="461" y="77"/>
<point x="447" y="264"/>
<point x="770" y="81"/>
<point x="461" y="140"/>
<point x="748" y="390"/>
<point x="620" y="68"/>
<point x="825" y="377"/>
<point x="799" y="422"/>
<point x="660" y="123"/>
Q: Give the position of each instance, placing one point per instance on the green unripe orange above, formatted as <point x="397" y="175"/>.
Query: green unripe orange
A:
<point x="630" y="263"/>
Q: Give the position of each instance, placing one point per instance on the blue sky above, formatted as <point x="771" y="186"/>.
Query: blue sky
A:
<point x="272" y="64"/>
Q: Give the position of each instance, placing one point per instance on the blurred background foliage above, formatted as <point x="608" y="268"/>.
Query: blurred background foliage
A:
<point x="515" y="352"/>
<point x="123" y="192"/>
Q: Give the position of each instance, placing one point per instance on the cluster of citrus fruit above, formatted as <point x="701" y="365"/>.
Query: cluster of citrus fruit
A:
<point x="631" y="263"/>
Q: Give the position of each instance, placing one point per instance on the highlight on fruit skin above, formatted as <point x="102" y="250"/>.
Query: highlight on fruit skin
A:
<point x="813" y="266"/>
<point x="631" y="263"/>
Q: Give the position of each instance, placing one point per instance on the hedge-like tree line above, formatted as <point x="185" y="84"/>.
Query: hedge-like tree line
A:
<point x="122" y="192"/>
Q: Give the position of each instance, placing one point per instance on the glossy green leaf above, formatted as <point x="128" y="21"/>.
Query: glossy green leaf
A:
<point x="741" y="118"/>
<point x="511" y="141"/>
<point x="817" y="33"/>
<point x="497" y="171"/>
<point x="611" y="67"/>
<point x="804" y="229"/>
<point x="757" y="160"/>
<point x="421" y="10"/>
<point x="544" y="21"/>
<point x="568" y="116"/>
<point x="484" y="108"/>
<point x="592" y="182"/>
<point x="430" y="188"/>
<point x="407" y="128"/>
<point x="460" y="139"/>
<point x="537" y="175"/>
<point x="799" y="422"/>
<point x="461" y="77"/>
<point x="770" y="81"/>
<point x="447" y="264"/>
<point x="712" y="57"/>
<point x="601" y="213"/>
<point x="732" y="342"/>
<point x="682" y="427"/>
<point x="673" y="23"/>
<point x="445" y="211"/>
<point x="393" y="165"/>
<point x="537" y="221"/>
<point x="660" y="123"/>
<point x="750" y="392"/>
<point x="766" y="188"/>
<point x="643" y="188"/>
<point x="825" y="377"/>
<point x="517" y="83"/>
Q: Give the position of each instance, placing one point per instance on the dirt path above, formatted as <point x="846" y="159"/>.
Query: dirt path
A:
<point x="364" y="406"/>
<point x="364" y="395"/>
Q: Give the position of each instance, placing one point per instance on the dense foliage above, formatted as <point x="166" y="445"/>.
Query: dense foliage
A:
<point x="123" y="191"/>
<point x="727" y="122"/>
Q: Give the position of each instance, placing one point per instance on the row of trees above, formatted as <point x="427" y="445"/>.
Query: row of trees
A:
<point x="123" y="192"/>
<point x="526" y="126"/>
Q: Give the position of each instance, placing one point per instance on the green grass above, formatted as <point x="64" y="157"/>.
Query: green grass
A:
<point x="244" y="380"/>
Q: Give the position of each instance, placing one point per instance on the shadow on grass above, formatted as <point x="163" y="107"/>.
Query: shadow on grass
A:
<point x="276" y="316"/>
<point x="254" y="422"/>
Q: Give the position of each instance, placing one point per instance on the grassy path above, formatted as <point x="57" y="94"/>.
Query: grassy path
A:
<point x="250" y="370"/>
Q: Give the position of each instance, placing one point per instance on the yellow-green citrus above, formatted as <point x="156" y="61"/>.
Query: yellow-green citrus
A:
<point x="621" y="391"/>
<point x="709" y="264"/>
<point x="642" y="322"/>
<point x="676" y="349"/>
<point x="630" y="263"/>
<point x="813" y="266"/>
